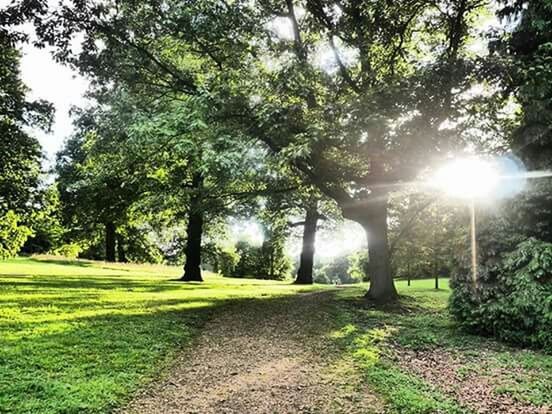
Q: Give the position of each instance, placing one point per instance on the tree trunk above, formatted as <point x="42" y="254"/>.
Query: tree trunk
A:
<point x="304" y="274"/>
<point x="372" y="216"/>
<point x="192" y="267"/>
<point x="109" y="242"/>
<point x="121" y="255"/>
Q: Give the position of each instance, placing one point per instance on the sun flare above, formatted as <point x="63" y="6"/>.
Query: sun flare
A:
<point x="472" y="177"/>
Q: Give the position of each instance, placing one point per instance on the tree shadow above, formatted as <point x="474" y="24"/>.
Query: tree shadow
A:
<point x="63" y="261"/>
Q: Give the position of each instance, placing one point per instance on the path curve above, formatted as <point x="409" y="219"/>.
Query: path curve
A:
<point x="260" y="356"/>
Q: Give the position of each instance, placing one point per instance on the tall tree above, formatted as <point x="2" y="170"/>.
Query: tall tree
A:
<point x="306" y="260"/>
<point x="526" y="54"/>
<point x="389" y="102"/>
<point x="378" y="116"/>
<point x="20" y="153"/>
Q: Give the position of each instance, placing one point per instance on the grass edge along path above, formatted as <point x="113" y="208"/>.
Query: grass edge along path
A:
<point x="81" y="337"/>
<point x="419" y="362"/>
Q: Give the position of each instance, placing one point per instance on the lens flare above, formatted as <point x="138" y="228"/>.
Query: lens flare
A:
<point x="471" y="178"/>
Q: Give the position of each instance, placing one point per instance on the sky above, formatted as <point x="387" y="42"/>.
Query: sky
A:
<point x="49" y="80"/>
<point x="57" y="84"/>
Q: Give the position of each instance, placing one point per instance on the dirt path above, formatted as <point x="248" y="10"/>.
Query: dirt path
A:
<point x="267" y="356"/>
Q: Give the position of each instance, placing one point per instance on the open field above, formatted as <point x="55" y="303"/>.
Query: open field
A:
<point x="82" y="337"/>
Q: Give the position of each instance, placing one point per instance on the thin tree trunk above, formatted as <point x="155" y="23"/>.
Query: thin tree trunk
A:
<point x="121" y="255"/>
<point x="109" y="242"/>
<point x="304" y="274"/>
<point x="192" y="267"/>
<point x="373" y="218"/>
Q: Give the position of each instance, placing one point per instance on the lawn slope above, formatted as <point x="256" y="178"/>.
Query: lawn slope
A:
<point x="79" y="337"/>
<point x="83" y="337"/>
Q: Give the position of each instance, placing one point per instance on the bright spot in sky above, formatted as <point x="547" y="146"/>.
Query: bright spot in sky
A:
<point x="324" y="57"/>
<point x="249" y="231"/>
<point x="472" y="177"/>
<point x="347" y="238"/>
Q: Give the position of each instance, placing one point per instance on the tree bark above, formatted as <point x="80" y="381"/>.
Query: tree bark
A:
<point x="306" y="262"/>
<point x="194" y="231"/>
<point x="109" y="242"/>
<point x="121" y="255"/>
<point x="372" y="216"/>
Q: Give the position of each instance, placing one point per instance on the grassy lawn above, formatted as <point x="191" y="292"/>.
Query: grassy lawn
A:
<point x="417" y="360"/>
<point x="79" y="337"/>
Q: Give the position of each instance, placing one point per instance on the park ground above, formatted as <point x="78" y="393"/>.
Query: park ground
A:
<point x="90" y="337"/>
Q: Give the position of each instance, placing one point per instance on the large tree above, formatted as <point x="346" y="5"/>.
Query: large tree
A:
<point x="388" y="104"/>
<point x="386" y="108"/>
<point x="525" y="53"/>
<point x="20" y="152"/>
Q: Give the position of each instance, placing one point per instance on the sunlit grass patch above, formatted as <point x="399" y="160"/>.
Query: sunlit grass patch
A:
<point x="375" y="337"/>
<point x="78" y="337"/>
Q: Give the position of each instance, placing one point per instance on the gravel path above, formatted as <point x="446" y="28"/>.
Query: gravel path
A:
<point x="268" y="356"/>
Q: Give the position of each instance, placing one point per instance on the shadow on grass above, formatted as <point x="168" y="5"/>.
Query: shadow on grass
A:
<point x="96" y="282"/>
<point x="93" y="363"/>
<point x="62" y="261"/>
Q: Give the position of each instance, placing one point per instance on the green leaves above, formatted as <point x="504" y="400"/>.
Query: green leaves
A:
<point x="12" y="234"/>
<point x="514" y="297"/>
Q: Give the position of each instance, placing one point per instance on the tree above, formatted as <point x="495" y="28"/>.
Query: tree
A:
<point x="96" y="187"/>
<point x="526" y="54"/>
<point x="356" y="130"/>
<point x="20" y="154"/>
<point x="426" y="234"/>
<point x="373" y="121"/>
<point x="306" y="261"/>
<point x="316" y="209"/>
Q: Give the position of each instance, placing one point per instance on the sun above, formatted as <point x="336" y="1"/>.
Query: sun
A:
<point x="470" y="178"/>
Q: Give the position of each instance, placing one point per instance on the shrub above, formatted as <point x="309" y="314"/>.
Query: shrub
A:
<point x="513" y="301"/>
<point x="12" y="235"/>
<point x="70" y="250"/>
<point x="223" y="259"/>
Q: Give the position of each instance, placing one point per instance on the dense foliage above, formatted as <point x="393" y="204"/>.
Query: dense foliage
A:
<point x="20" y="153"/>
<point x="514" y="298"/>
<point x="12" y="235"/>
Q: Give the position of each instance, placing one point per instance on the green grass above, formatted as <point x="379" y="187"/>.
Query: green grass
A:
<point x="79" y="337"/>
<point x="371" y="336"/>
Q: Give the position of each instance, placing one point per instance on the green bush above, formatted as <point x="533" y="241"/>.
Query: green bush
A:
<point x="12" y="234"/>
<point x="267" y="261"/>
<point x="70" y="250"/>
<point x="513" y="300"/>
